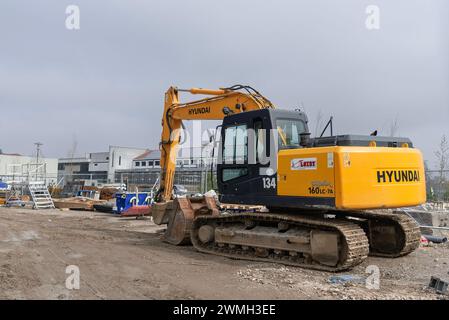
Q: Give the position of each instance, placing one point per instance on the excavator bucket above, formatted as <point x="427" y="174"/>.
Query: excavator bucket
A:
<point x="178" y="215"/>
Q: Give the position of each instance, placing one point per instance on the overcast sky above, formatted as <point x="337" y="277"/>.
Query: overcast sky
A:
<point x="104" y="84"/>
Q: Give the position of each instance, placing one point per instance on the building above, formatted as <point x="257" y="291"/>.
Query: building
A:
<point x="79" y="168"/>
<point x="121" y="158"/>
<point x="150" y="159"/>
<point x="15" y="167"/>
<point x="99" y="162"/>
<point x="191" y="171"/>
<point x="144" y="169"/>
<point x="134" y="166"/>
<point x="98" y="167"/>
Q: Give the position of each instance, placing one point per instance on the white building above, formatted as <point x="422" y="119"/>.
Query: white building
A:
<point x="99" y="166"/>
<point x="19" y="168"/>
<point x="151" y="159"/>
<point x="121" y="158"/>
<point x="99" y="161"/>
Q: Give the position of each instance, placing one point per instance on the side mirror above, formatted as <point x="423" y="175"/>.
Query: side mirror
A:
<point x="304" y="139"/>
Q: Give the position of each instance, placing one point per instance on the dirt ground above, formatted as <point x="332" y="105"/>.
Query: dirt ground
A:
<point x="123" y="258"/>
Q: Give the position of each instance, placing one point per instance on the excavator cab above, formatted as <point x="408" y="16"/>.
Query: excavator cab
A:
<point x="249" y="145"/>
<point x="267" y="158"/>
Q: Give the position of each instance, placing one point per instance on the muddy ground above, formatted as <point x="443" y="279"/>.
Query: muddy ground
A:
<point x="123" y="258"/>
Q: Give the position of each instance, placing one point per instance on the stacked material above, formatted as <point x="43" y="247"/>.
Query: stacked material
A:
<point x="3" y="192"/>
<point x="137" y="211"/>
<point x="77" y="203"/>
<point x="55" y="191"/>
<point x="2" y="198"/>
<point x="107" y="193"/>
<point x="430" y="218"/>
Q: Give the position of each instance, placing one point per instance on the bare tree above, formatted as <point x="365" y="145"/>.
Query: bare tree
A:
<point x="394" y="127"/>
<point x="72" y="154"/>
<point x="318" y="122"/>
<point x="442" y="155"/>
<point x="74" y="146"/>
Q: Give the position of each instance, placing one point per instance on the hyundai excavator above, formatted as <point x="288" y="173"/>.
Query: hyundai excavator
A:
<point x="328" y="202"/>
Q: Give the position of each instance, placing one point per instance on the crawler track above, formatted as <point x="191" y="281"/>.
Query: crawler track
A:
<point x="353" y="243"/>
<point x="406" y="232"/>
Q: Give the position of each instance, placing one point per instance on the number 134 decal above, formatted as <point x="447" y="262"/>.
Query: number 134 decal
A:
<point x="269" y="183"/>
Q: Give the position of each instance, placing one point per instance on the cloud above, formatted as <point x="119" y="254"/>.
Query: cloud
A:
<point x="105" y="82"/>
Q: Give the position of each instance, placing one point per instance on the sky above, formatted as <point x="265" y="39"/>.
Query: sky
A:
<point x="83" y="90"/>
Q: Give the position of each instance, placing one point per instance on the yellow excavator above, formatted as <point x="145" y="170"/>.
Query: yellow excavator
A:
<point x="327" y="202"/>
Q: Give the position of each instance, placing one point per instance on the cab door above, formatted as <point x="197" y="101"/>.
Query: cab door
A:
<point x="242" y="169"/>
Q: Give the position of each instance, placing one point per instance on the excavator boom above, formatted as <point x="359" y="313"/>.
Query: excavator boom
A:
<point x="222" y="102"/>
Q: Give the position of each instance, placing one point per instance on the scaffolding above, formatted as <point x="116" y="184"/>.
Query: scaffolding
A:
<point x="22" y="180"/>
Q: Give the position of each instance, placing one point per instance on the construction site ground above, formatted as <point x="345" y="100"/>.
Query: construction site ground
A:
<point x="123" y="258"/>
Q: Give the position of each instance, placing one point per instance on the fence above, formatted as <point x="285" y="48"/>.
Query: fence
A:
<point x="437" y="185"/>
<point x="195" y="180"/>
<point x="199" y="179"/>
<point x="24" y="173"/>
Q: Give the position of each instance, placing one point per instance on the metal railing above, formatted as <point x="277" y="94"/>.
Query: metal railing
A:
<point x="199" y="179"/>
<point x="26" y="173"/>
<point x="437" y="184"/>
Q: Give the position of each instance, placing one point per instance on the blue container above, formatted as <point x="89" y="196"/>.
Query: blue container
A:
<point x="125" y="200"/>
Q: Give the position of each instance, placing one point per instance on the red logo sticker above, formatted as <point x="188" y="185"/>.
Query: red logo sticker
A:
<point x="304" y="164"/>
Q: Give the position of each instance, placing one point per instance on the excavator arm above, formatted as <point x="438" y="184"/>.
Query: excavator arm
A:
<point x="220" y="103"/>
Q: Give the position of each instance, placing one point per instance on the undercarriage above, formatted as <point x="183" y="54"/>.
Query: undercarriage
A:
<point x="322" y="239"/>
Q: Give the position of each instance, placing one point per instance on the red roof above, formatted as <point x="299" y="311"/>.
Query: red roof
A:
<point x="10" y="154"/>
<point x="145" y="155"/>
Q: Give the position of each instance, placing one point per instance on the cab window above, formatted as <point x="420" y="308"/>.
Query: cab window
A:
<point x="235" y="147"/>
<point x="288" y="131"/>
<point x="260" y="136"/>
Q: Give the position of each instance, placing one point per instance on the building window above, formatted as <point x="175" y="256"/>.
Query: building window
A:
<point x="120" y="160"/>
<point x="84" y="167"/>
<point x="157" y="163"/>
<point x="150" y="164"/>
<point x="144" y="163"/>
<point x="137" y="163"/>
